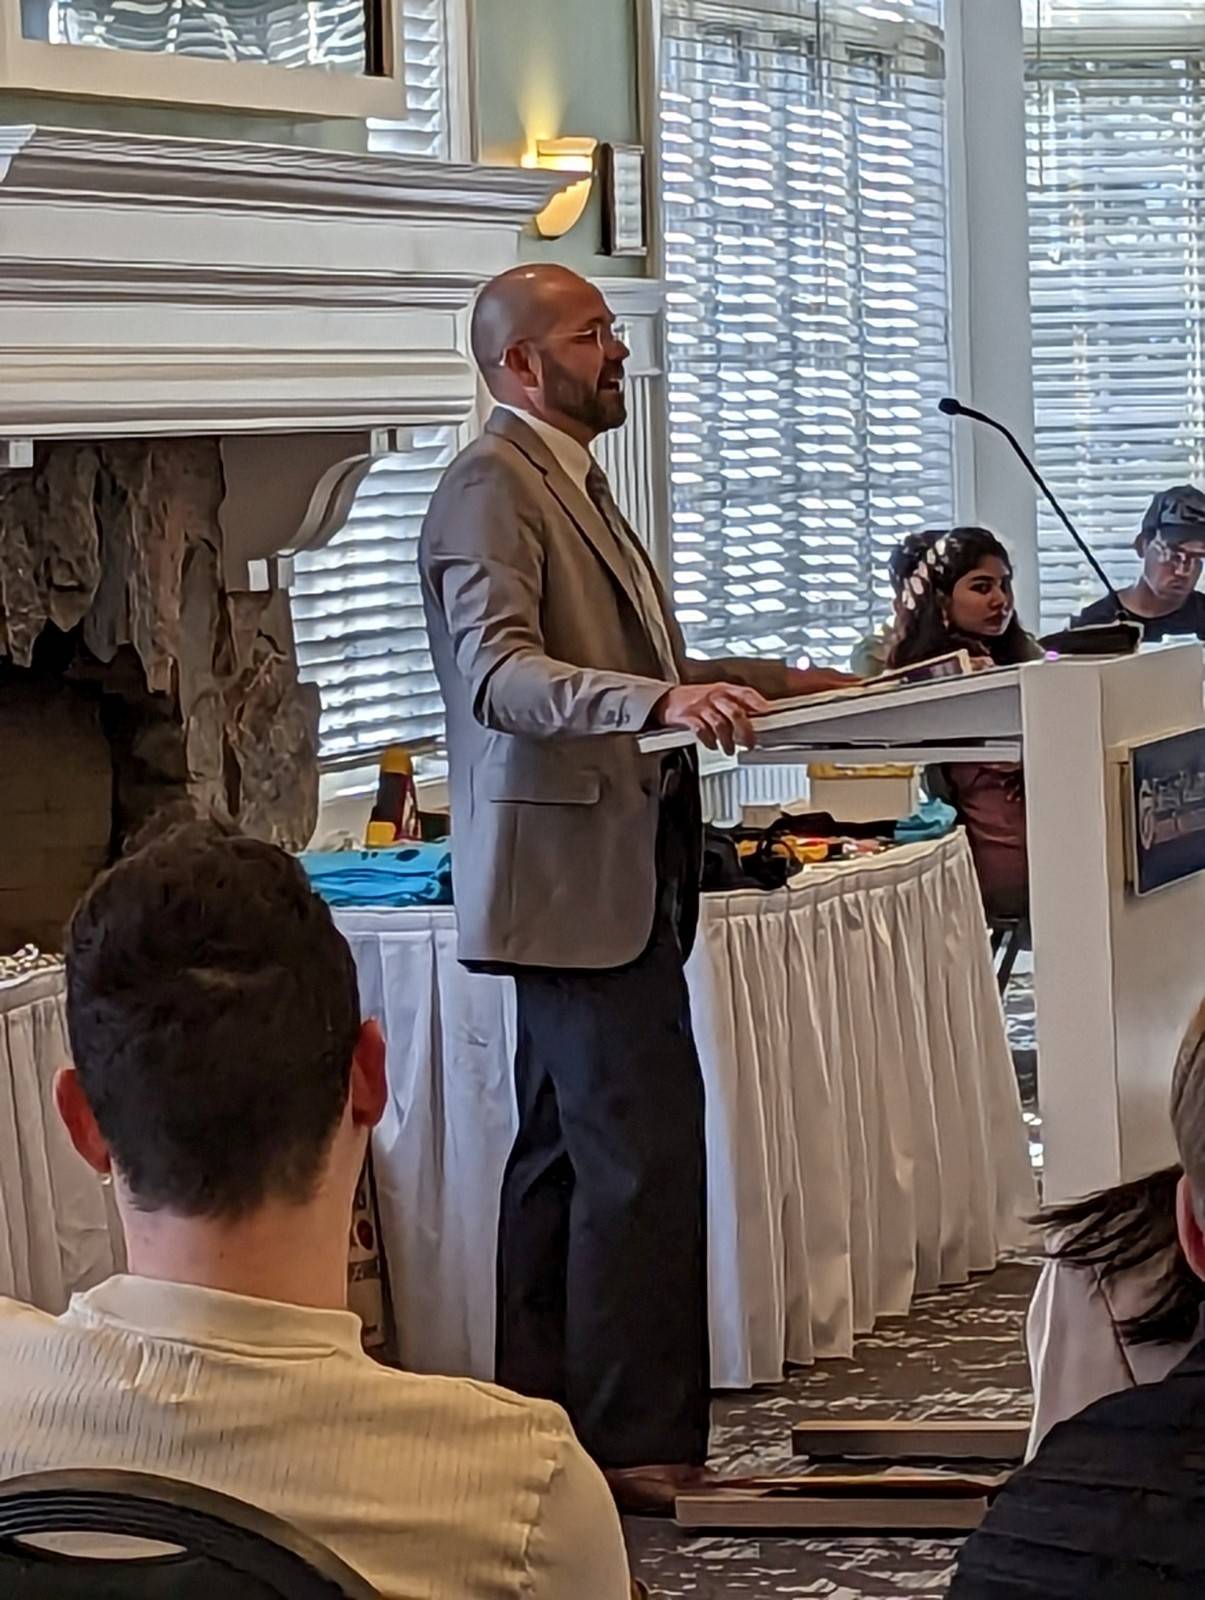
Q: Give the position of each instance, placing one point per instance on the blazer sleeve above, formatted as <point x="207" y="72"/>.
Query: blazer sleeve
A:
<point x="482" y="560"/>
<point x="769" y="678"/>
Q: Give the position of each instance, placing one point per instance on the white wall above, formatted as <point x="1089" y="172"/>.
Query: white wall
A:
<point x="989" y="275"/>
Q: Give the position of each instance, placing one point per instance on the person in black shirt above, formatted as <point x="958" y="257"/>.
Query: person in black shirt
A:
<point x="1165" y="599"/>
<point x="1112" y="1505"/>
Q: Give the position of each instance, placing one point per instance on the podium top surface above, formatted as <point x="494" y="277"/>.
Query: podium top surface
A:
<point x="983" y="704"/>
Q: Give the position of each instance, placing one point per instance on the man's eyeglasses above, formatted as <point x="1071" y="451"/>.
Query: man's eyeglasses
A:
<point x="597" y="334"/>
<point x="1180" y="557"/>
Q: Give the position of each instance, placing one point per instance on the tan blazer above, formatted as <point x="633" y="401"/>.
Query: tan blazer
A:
<point x="547" y="674"/>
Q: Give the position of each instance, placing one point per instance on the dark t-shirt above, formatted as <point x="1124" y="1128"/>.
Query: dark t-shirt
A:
<point x="1110" y="1508"/>
<point x="1187" y="622"/>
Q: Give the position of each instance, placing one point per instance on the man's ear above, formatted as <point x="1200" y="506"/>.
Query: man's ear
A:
<point x="519" y="363"/>
<point x="1192" y="1235"/>
<point x="79" y="1122"/>
<point x="369" y="1086"/>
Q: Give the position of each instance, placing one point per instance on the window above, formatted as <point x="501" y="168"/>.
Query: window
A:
<point x="1116" y="156"/>
<point x="805" y="224"/>
<point x="426" y="129"/>
<point x="358" y="611"/>
<point x="357" y="606"/>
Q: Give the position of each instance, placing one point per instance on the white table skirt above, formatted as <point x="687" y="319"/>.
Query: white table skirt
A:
<point x="55" y="1233"/>
<point x="864" y="1133"/>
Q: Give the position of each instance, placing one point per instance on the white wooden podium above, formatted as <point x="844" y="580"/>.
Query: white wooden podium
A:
<point x="1117" y="977"/>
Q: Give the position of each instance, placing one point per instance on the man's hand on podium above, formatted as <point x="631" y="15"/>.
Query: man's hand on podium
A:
<point x="718" y="714"/>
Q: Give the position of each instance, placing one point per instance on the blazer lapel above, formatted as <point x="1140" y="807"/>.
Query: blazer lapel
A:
<point x="575" y="503"/>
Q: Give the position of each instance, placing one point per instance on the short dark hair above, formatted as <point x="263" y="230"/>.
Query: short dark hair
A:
<point x="213" y="1013"/>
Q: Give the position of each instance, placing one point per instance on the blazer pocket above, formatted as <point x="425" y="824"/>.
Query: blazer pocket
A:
<point x="544" y="788"/>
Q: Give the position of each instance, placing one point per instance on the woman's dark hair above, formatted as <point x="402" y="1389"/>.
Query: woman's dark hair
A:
<point x="924" y="630"/>
<point x="908" y="555"/>
<point x="1131" y="1226"/>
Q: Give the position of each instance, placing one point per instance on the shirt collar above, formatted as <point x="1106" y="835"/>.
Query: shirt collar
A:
<point x="573" y="458"/>
<point x="187" y="1314"/>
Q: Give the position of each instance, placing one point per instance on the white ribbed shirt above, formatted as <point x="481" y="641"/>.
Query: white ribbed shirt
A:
<point x="431" y="1488"/>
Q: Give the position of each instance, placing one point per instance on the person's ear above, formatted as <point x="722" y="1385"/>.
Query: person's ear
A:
<point x="81" y="1125"/>
<point x="1141" y="544"/>
<point x="523" y="365"/>
<point x="1188" y="1223"/>
<point x="369" y="1085"/>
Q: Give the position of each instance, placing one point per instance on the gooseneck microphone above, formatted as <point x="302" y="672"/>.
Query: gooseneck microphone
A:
<point x="955" y="408"/>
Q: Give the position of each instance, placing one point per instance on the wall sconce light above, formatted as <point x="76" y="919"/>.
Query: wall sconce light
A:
<point x="573" y="155"/>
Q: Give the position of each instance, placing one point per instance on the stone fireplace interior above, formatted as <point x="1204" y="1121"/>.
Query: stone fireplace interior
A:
<point x="203" y="348"/>
<point x="135" y="686"/>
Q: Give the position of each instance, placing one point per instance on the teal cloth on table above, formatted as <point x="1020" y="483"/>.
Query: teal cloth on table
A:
<point x="932" y="819"/>
<point x="402" y="875"/>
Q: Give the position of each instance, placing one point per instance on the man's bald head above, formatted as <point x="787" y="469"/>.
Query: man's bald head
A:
<point x="545" y="342"/>
<point x="519" y="305"/>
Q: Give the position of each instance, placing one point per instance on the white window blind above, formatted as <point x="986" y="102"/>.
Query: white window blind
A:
<point x="425" y="129"/>
<point x="805" y="222"/>
<point x="358" y="613"/>
<point x="357" y="607"/>
<point x="1116" y="161"/>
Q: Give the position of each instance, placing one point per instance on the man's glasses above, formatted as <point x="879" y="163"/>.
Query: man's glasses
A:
<point x="1181" y="558"/>
<point x="596" y="334"/>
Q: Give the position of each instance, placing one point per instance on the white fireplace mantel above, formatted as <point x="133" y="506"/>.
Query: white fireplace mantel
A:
<point x="153" y="286"/>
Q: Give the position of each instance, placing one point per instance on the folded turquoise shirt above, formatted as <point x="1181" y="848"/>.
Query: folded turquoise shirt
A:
<point x="403" y="875"/>
<point x="932" y="819"/>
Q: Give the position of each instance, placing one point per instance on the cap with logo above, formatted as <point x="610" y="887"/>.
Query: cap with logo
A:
<point x="1177" y="515"/>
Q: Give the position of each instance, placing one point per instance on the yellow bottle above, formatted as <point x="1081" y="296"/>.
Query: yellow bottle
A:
<point x="395" y="814"/>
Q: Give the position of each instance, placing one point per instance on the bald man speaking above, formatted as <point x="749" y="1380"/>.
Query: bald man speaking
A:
<point x="576" y="864"/>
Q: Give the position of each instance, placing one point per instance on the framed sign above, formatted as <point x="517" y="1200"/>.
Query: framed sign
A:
<point x="622" y="170"/>
<point x="1166" y="793"/>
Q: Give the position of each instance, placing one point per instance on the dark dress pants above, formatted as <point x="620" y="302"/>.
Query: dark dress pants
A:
<point x="602" y="1259"/>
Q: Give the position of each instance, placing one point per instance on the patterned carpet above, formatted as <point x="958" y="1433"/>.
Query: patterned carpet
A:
<point x="958" y="1353"/>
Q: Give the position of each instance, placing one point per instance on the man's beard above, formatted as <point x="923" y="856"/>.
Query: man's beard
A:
<point x="594" y="407"/>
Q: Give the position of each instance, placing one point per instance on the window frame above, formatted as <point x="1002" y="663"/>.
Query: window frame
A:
<point x="88" y="72"/>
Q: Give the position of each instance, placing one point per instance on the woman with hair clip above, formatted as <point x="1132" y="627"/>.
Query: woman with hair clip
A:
<point x="1117" y="1303"/>
<point x="960" y="597"/>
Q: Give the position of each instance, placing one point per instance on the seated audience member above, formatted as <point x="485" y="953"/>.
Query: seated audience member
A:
<point x="960" y="597"/>
<point x="224" y="1079"/>
<point x="1116" y="1304"/>
<point x="1111" y="1506"/>
<point x="1165" y="598"/>
<point x="870" y="655"/>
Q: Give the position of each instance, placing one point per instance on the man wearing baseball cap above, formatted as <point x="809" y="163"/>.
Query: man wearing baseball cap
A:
<point x="1172" y="546"/>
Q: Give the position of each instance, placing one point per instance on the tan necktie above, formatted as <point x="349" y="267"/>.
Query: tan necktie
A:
<point x="648" y="599"/>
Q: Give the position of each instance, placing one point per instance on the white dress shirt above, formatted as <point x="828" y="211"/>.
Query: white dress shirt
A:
<point x="573" y="458"/>
<point x="431" y="1488"/>
<point x="1076" y="1352"/>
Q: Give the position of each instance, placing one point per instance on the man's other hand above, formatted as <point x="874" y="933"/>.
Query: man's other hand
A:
<point x="818" y="680"/>
<point x="718" y="714"/>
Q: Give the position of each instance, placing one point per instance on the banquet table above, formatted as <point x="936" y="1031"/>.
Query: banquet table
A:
<point x="58" y="1231"/>
<point x="865" y="1141"/>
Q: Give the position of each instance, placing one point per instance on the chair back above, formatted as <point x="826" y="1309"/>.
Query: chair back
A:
<point x="219" y="1545"/>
